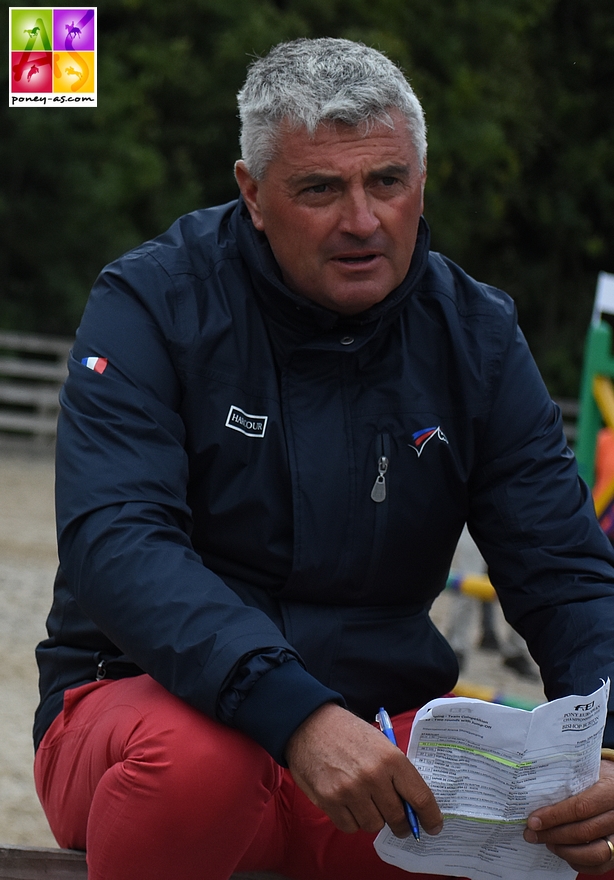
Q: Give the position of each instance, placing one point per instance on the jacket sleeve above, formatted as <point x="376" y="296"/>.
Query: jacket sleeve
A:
<point x="534" y="522"/>
<point x="124" y="523"/>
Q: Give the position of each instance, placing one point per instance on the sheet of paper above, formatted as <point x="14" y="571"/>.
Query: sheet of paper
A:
<point x="489" y="767"/>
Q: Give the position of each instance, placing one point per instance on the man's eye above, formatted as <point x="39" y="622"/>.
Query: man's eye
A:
<point x="317" y="188"/>
<point x="389" y="181"/>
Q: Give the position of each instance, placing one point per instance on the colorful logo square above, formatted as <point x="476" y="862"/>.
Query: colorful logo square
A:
<point x="53" y="56"/>
<point x="73" y="30"/>
<point x="32" y="72"/>
<point x="73" y="72"/>
<point x="31" y="30"/>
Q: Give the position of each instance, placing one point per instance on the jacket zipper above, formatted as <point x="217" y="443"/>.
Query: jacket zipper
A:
<point x="379" y="493"/>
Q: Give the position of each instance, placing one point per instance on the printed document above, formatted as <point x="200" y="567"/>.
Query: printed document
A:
<point x="489" y="767"/>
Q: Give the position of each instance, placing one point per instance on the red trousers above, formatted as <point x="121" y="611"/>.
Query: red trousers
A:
<point x="151" y="788"/>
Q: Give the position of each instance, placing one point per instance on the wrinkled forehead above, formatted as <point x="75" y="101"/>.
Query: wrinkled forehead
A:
<point x="293" y="141"/>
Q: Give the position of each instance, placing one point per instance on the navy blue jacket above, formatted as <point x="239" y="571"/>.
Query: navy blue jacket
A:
<point x="216" y="517"/>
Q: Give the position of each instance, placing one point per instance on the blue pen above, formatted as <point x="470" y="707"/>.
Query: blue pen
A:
<point x="385" y="725"/>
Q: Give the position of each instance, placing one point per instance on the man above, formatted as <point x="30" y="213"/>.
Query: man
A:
<point x="278" y="418"/>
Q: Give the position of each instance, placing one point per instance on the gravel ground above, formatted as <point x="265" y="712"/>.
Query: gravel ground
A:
<point x="27" y="567"/>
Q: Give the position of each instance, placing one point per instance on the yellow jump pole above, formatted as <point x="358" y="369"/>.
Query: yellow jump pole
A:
<point x="603" y="391"/>
<point x="476" y="585"/>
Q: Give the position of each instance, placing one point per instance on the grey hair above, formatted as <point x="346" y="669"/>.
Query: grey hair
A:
<point x="306" y="82"/>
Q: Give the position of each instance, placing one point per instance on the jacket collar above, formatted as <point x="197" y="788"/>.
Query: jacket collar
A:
<point x="308" y="318"/>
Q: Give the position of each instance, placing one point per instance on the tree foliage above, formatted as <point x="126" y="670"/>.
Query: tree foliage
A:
<point x="521" y="167"/>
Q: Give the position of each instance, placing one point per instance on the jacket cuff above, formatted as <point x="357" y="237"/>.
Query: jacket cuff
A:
<point x="278" y="703"/>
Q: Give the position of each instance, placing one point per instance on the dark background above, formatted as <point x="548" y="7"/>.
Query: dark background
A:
<point x="519" y="101"/>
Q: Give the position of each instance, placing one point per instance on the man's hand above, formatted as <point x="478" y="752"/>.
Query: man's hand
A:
<point x="575" y="828"/>
<point x="356" y="776"/>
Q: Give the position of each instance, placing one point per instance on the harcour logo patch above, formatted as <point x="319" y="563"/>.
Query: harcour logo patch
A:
<point x="246" y="423"/>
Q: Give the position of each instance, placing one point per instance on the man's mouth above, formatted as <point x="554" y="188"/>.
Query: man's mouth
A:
<point x="358" y="259"/>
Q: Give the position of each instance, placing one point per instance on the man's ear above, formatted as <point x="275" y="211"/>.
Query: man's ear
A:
<point x="249" y="190"/>
<point x="423" y="186"/>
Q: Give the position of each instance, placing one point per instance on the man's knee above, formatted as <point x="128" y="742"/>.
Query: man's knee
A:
<point x="132" y="740"/>
<point x="187" y="753"/>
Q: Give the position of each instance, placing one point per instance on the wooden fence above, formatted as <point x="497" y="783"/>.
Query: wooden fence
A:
<point x="569" y="411"/>
<point x="32" y="370"/>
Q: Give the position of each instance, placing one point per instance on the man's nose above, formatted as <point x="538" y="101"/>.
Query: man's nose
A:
<point x="358" y="215"/>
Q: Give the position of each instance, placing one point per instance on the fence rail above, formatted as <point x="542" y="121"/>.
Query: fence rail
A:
<point x="32" y="370"/>
<point x="569" y="411"/>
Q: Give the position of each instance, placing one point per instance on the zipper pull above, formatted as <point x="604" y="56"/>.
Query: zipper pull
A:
<point x="378" y="492"/>
<point x="101" y="670"/>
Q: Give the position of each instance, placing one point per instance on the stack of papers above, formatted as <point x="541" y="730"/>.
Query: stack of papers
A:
<point x="489" y="767"/>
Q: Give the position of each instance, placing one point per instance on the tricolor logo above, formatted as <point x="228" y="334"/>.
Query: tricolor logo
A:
<point x="422" y="437"/>
<point x="98" y="365"/>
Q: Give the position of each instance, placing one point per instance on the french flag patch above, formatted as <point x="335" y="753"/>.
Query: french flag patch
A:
<point x="98" y="365"/>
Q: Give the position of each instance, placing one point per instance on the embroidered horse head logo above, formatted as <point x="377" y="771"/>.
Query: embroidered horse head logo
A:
<point x="422" y="437"/>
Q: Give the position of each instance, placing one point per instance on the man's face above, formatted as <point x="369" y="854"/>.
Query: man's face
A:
<point x="340" y="211"/>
